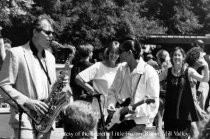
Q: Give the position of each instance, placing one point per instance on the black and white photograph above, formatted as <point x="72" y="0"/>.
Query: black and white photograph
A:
<point x="104" y="69"/>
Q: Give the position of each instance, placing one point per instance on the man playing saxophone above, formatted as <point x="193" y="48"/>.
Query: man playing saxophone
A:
<point x="27" y="75"/>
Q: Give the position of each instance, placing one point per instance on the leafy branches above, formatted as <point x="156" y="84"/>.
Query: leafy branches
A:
<point x="99" y="21"/>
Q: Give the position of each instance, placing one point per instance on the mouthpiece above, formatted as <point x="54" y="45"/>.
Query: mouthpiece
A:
<point x="56" y="45"/>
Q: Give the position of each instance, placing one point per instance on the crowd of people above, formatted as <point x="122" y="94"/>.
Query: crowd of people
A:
<point x="118" y="97"/>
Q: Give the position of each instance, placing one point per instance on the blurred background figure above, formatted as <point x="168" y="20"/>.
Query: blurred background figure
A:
<point x="163" y="59"/>
<point x="5" y="44"/>
<point x="80" y="121"/>
<point x="150" y="60"/>
<point x="85" y="53"/>
<point x="195" y="60"/>
<point x="202" y="87"/>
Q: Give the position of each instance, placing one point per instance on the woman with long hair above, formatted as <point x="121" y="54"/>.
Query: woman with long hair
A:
<point x="180" y="110"/>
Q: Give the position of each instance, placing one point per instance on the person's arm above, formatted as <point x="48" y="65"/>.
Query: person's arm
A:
<point x="199" y="77"/>
<point x="84" y="84"/>
<point x="86" y="76"/>
<point x="2" y="48"/>
<point x="8" y="76"/>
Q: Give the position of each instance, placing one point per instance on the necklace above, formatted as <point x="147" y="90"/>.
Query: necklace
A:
<point x="176" y="72"/>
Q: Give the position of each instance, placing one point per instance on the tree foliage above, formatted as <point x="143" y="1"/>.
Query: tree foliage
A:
<point x="99" y="21"/>
<point x="179" y="16"/>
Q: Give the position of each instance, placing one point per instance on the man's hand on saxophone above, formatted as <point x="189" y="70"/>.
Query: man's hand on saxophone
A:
<point x="36" y="105"/>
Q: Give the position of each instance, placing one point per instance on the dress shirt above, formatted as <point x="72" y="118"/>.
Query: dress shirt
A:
<point x="127" y="84"/>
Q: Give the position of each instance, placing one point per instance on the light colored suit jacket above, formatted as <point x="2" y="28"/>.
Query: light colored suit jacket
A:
<point x="18" y="78"/>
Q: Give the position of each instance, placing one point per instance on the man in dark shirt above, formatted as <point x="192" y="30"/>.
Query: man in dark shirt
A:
<point x="85" y="52"/>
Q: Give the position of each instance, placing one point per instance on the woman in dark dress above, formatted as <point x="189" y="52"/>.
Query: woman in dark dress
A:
<point x="180" y="109"/>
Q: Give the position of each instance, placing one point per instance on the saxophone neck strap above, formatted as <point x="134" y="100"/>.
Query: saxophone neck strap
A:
<point x="45" y="70"/>
<point x="35" y="53"/>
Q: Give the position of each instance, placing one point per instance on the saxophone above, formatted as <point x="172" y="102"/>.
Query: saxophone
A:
<point x="56" y="101"/>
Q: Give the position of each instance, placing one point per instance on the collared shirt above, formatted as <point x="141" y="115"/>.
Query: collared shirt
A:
<point x="42" y="84"/>
<point x="127" y="84"/>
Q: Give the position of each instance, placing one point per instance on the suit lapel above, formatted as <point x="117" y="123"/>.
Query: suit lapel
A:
<point x="31" y="66"/>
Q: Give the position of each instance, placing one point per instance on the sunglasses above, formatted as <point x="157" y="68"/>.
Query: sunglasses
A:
<point x="48" y="32"/>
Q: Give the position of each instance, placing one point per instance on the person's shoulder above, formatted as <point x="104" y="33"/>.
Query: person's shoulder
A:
<point x="150" y="70"/>
<point x="190" y="70"/>
<point x="98" y="64"/>
<point x="88" y="64"/>
<point x="82" y="64"/>
<point x="153" y="63"/>
<point x="18" y="50"/>
<point x="122" y="65"/>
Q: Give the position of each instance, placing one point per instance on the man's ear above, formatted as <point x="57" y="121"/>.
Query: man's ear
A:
<point x="34" y="31"/>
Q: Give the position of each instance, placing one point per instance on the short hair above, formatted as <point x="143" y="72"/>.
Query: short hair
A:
<point x="114" y="45"/>
<point x="134" y="46"/>
<point x="79" y="116"/>
<point x="178" y="49"/>
<point x="37" y="22"/>
<point x="85" y="50"/>
<point x="193" y="55"/>
<point x="162" y="55"/>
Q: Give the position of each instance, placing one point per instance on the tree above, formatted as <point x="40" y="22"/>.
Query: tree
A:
<point x="179" y="16"/>
<point x="15" y="19"/>
<point x="100" y="21"/>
